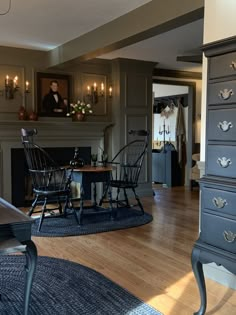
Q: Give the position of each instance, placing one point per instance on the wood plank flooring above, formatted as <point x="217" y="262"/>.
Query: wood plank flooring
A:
<point x="151" y="261"/>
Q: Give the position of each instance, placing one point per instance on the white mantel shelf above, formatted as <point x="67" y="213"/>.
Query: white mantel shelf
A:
<point x="64" y="133"/>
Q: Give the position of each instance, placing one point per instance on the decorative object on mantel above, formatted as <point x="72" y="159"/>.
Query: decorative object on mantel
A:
<point x="33" y="116"/>
<point x="22" y="114"/>
<point x="78" y="117"/>
<point x="79" y="110"/>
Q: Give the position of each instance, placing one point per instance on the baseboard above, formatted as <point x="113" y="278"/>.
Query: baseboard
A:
<point x="220" y="275"/>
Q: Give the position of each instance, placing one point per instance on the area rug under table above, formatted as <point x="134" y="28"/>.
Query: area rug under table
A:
<point x="92" y="223"/>
<point x="62" y="287"/>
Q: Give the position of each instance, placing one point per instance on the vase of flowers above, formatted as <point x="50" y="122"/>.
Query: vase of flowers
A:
<point x="79" y="110"/>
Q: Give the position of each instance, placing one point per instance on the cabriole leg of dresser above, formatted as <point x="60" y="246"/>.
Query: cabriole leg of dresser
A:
<point x="199" y="275"/>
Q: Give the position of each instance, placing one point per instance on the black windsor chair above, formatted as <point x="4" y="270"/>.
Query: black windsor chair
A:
<point x="51" y="182"/>
<point x="127" y="167"/>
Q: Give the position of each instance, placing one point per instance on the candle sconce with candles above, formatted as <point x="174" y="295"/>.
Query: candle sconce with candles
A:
<point x="11" y="87"/>
<point x="97" y="91"/>
<point x="164" y="132"/>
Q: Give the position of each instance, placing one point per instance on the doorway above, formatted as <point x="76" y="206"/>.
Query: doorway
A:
<point x="168" y="96"/>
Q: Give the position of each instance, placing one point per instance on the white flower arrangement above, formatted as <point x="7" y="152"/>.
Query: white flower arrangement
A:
<point x="80" y="107"/>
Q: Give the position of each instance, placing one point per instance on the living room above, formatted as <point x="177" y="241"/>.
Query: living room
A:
<point x="152" y="261"/>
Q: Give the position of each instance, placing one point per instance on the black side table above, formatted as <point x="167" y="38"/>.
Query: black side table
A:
<point x="15" y="236"/>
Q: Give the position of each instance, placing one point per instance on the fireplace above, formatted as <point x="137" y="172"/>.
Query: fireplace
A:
<point x="21" y="186"/>
<point x="57" y="135"/>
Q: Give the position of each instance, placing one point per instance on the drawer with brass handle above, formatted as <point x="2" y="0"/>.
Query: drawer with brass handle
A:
<point x="220" y="201"/>
<point x="229" y="236"/>
<point x="223" y="65"/>
<point x="222" y="124"/>
<point x="221" y="160"/>
<point x="222" y="93"/>
<point x="218" y="231"/>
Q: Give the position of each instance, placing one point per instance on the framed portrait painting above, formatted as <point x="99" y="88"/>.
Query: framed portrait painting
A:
<point x="53" y="94"/>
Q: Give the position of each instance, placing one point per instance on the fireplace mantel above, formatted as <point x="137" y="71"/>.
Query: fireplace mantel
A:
<point x="50" y="134"/>
<point x="10" y="129"/>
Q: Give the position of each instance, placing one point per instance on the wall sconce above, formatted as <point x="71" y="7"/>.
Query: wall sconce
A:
<point x="11" y="86"/>
<point x="94" y="93"/>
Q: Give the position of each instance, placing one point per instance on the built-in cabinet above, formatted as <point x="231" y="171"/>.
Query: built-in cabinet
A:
<point x="217" y="239"/>
<point x="165" y="166"/>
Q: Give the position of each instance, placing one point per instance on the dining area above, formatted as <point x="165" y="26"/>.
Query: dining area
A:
<point x="103" y="185"/>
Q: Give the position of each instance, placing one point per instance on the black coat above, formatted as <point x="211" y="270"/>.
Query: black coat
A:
<point x="50" y="105"/>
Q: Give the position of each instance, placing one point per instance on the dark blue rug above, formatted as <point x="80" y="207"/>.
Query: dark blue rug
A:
<point x="92" y="223"/>
<point x="62" y="287"/>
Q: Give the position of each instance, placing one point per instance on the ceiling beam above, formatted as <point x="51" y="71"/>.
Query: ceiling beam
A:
<point x="193" y="59"/>
<point x="149" y="20"/>
<point x="158" y="72"/>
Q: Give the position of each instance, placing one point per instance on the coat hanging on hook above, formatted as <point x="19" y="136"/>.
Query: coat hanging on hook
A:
<point x="168" y="110"/>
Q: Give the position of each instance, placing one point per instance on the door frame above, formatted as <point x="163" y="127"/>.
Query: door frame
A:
<point x="191" y="117"/>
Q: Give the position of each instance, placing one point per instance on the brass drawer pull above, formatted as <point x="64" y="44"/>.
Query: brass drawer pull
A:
<point x="224" y="125"/>
<point x="229" y="236"/>
<point x="219" y="202"/>
<point x="224" y="162"/>
<point x="226" y="94"/>
<point x="233" y="65"/>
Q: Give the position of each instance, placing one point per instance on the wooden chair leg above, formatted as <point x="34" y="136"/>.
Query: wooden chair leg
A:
<point x="59" y="206"/>
<point x="31" y="210"/>
<point x="126" y="199"/>
<point x="103" y="196"/>
<point x="117" y="197"/>
<point x="138" y="201"/>
<point x="42" y="214"/>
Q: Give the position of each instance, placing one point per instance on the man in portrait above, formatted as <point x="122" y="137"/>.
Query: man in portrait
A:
<point x="53" y="102"/>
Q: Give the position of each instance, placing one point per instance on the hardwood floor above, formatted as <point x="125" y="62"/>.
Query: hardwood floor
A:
<point x="151" y="261"/>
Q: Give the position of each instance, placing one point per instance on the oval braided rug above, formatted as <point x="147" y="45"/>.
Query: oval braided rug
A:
<point x="62" y="287"/>
<point x="94" y="222"/>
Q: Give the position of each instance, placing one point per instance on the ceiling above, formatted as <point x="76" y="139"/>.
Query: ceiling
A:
<point x="164" y="48"/>
<point x="45" y="25"/>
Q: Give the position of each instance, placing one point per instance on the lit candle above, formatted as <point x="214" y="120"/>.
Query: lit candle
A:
<point x="89" y="91"/>
<point x="110" y="91"/>
<point x="7" y="80"/>
<point x="27" y="86"/>
<point x="15" y="81"/>
<point x="95" y="86"/>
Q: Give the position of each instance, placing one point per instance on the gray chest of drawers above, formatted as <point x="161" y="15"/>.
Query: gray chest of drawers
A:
<point x="217" y="239"/>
